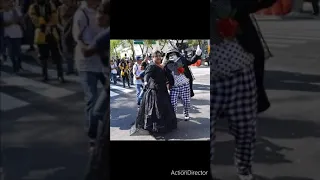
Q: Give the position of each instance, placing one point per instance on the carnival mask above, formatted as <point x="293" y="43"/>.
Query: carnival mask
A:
<point x="172" y="57"/>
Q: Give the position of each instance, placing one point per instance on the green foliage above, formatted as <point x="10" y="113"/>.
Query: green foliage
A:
<point x="114" y="44"/>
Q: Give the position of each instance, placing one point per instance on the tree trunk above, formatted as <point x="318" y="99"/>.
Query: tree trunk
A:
<point x="132" y="49"/>
<point x="164" y="44"/>
<point x="141" y="48"/>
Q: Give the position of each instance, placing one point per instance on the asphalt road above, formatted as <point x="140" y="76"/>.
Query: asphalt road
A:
<point x="124" y="112"/>
<point x="42" y="126"/>
<point x="288" y="146"/>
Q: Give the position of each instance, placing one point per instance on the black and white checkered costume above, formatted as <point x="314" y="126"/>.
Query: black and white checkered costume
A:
<point x="233" y="95"/>
<point x="181" y="89"/>
<point x="235" y="99"/>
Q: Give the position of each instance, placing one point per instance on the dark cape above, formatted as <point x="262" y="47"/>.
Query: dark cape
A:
<point x="252" y="41"/>
<point x="156" y="114"/>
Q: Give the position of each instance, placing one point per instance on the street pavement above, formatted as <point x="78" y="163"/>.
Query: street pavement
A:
<point x="124" y="112"/>
<point x="288" y="145"/>
<point x="42" y="125"/>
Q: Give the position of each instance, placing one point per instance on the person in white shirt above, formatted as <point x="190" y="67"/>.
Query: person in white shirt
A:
<point x="136" y="77"/>
<point x="13" y="32"/>
<point x="114" y="72"/>
<point x="84" y="30"/>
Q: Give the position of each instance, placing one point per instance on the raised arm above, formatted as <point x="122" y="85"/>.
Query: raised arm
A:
<point x="192" y="60"/>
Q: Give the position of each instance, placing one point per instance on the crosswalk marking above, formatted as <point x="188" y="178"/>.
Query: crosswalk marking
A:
<point x="51" y="72"/>
<point x="8" y="102"/>
<point x="35" y="86"/>
<point x="46" y="89"/>
<point x="274" y="45"/>
<point x="287" y="41"/>
<point x="200" y="71"/>
<point x="281" y="40"/>
<point x="284" y="34"/>
<point x="290" y="37"/>
<point x="121" y="89"/>
<point x="113" y="94"/>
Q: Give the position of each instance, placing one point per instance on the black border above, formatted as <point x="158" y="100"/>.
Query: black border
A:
<point x="156" y="159"/>
<point x="165" y="19"/>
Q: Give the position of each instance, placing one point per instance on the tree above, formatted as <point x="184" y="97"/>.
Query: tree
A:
<point x="114" y="44"/>
<point x="148" y="43"/>
<point x="162" y="43"/>
<point x="144" y="47"/>
<point x="175" y="43"/>
<point x="130" y="42"/>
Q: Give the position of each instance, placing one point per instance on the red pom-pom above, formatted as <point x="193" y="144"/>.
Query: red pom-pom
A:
<point x="180" y="70"/>
<point x="227" y="27"/>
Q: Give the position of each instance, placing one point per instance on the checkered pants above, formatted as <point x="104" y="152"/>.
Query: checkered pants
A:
<point x="235" y="99"/>
<point x="184" y="93"/>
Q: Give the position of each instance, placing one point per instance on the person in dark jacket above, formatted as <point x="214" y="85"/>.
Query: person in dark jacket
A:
<point x="99" y="163"/>
<point x="181" y="84"/>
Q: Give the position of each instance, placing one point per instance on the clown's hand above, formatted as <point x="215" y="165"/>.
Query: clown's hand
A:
<point x="198" y="51"/>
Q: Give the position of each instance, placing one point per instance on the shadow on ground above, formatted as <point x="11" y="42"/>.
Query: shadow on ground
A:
<point x="266" y="153"/>
<point x="44" y="142"/>
<point x="196" y="131"/>
<point x="45" y="162"/>
<point x="281" y="80"/>
<point x="281" y="128"/>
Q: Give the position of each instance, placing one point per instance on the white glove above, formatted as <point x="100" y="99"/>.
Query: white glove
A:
<point x="198" y="51"/>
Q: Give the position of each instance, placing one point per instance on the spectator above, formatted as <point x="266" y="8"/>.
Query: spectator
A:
<point x="141" y="76"/>
<point x="90" y="68"/>
<point x="114" y="72"/>
<point x="65" y="20"/>
<point x="136" y="76"/>
<point x="43" y="15"/>
<point x="13" y="33"/>
<point x="124" y="72"/>
<point x="99" y="162"/>
<point x="29" y="28"/>
<point x="2" y="41"/>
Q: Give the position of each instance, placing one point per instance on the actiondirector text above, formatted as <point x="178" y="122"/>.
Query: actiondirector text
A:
<point x="188" y="173"/>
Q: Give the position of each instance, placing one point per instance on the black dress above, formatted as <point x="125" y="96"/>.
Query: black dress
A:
<point x="250" y="41"/>
<point x="156" y="114"/>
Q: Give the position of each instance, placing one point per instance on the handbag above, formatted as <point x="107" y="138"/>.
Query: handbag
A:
<point x="229" y="58"/>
